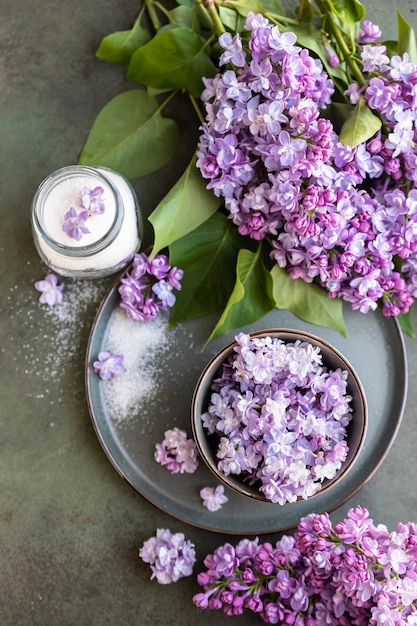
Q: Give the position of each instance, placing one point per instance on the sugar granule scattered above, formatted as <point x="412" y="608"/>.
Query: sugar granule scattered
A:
<point x="64" y="328"/>
<point x="140" y="343"/>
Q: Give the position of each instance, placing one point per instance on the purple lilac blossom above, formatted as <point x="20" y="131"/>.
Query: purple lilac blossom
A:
<point x="355" y="572"/>
<point x="51" y="291"/>
<point x="147" y="288"/>
<point x="92" y="200"/>
<point x="74" y="223"/>
<point x="213" y="497"/>
<point x="170" y="555"/>
<point x="278" y="416"/>
<point x="283" y="174"/>
<point x="108" y="365"/>
<point x="176" y="452"/>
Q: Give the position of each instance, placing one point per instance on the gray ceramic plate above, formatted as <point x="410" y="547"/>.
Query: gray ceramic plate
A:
<point x="131" y="413"/>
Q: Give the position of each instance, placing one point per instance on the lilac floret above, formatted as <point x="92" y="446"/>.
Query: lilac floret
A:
<point x="74" y="223"/>
<point x="92" y="200"/>
<point x="213" y="497"/>
<point x="51" y="291"/>
<point x="109" y="365"/>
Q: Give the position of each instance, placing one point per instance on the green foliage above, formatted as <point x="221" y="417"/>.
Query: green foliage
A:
<point x="360" y="125"/>
<point x="349" y="12"/>
<point x="131" y="136"/>
<point x="406" y="323"/>
<point x="406" y="39"/>
<point x="307" y="301"/>
<point x="175" y="59"/>
<point x="208" y="256"/>
<point x="187" y="205"/>
<point x="251" y="297"/>
<point x="119" y="47"/>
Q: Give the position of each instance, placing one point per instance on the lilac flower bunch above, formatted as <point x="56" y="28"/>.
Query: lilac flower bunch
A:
<point x="278" y="417"/>
<point x="177" y="452"/>
<point x="170" y="555"/>
<point x="147" y="288"/>
<point x="355" y="572"/>
<point x="344" y="217"/>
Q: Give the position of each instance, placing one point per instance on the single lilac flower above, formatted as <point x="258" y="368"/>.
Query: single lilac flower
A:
<point x="108" y="365"/>
<point x="51" y="292"/>
<point x="213" y="497"/>
<point x="92" y="200"/>
<point x="74" y="223"/>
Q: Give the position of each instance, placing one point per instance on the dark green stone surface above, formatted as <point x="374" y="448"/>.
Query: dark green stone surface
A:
<point x="70" y="527"/>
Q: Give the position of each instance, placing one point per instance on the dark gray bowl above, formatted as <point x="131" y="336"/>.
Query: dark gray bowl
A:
<point x="332" y="358"/>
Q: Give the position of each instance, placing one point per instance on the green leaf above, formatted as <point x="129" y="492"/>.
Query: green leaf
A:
<point x="307" y="301"/>
<point x="243" y="7"/>
<point x="187" y="205"/>
<point x="406" y="39"/>
<point x="251" y="297"/>
<point x="130" y="136"/>
<point x="406" y="323"/>
<point x="119" y="47"/>
<point x="208" y="257"/>
<point x="182" y="16"/>
<point x="273" y="7"/>
<point x="360" y="126"/>
<point x="175" y="59"/>
<point x="350" y="12"/>
<point x="228" y="18"/>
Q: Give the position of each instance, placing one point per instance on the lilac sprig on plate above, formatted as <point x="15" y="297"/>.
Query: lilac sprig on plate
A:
<point x="177" y="452"/>
<point x="355" y="572"/>
<point x="278" y="417"/>
<point x="147" y="288"/>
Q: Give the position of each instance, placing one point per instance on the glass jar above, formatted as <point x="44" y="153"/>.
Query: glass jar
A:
<point x="86" y="221"/>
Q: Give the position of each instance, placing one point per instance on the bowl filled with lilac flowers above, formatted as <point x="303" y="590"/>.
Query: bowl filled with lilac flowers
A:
<point x="279" y="415"/>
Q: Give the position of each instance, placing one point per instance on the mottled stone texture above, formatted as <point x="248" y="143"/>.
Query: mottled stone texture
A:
<point x="70" y="527"/>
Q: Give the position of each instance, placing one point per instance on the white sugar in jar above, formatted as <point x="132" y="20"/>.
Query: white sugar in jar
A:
<point x="108" y="240"/>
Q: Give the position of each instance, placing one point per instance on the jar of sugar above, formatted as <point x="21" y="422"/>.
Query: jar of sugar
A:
<point x="86" y="221"/>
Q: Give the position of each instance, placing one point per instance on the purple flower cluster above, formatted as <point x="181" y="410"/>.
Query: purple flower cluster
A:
<point x="170" y="556"/>
<point x="176" y="452"/>
<point x="353" y="573"/>
<point x="148" y="286"/>
<point x="336" y="215"/>
<point x="92" y="202"/>
<point x="279" y="417"/>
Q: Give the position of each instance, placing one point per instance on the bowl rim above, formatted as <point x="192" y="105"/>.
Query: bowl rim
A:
<point x="288" y="335"/>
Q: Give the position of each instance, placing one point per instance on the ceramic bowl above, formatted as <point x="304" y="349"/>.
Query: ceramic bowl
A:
<point x="207" y="443"/>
